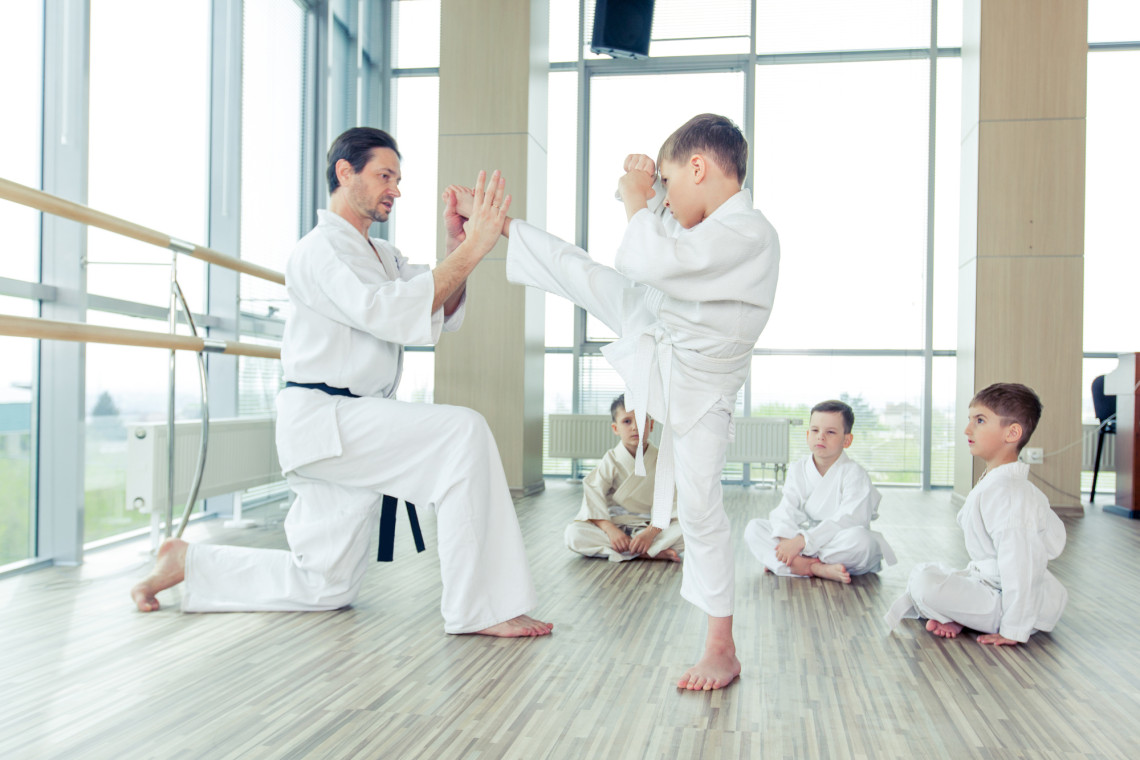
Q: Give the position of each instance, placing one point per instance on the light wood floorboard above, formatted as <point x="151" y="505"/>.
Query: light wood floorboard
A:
<point x="82" y="675"/>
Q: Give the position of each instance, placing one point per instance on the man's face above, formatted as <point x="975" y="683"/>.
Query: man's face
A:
<point x="825" y="436"/>
<point x="374" y="189"/>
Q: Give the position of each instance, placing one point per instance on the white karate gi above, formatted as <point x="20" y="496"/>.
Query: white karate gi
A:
<point x="1011" y="534"/>
<point x="833" y="512"/>
<point x="354" y="308"/>
<point x="614" y="492"/>
<point x="688" y="306"/>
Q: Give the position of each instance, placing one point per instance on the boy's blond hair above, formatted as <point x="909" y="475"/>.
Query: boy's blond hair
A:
<point x="1012" y="402"/>
<point x="715" y="136"/>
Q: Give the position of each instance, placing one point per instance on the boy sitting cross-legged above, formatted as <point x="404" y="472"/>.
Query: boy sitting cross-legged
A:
<point x="821" y="527"/>
<point x="616" y="502"/>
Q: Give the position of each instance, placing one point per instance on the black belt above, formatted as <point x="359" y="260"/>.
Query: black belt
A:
<point x="388" y="509"/>
<point x="323" y="388"/>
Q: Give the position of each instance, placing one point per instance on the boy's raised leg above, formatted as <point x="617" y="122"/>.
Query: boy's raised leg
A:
<point x="718" y="666"/>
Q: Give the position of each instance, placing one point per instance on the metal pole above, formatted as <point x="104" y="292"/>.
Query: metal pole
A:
<point x="171" y="324"/>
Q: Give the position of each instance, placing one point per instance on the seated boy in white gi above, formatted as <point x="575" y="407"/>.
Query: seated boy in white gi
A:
<point x="689" y="294"/>
<point x="616" y="502"/>
<point x="821" y="527"/>
<point x="1006" y="592"/>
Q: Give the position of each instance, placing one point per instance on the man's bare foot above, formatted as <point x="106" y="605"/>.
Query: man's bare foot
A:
<point x="668" y="554"/>
<point x="945" y="630"/>
<point x="523" y="625"/>
<point x="715" y="671"/>
<point x="833" y="572"/>
<point x="169" y="570"/>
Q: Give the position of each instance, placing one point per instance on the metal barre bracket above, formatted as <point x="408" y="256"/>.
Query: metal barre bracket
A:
<point x="214" y="345"/>
<point x="181" y="246"/>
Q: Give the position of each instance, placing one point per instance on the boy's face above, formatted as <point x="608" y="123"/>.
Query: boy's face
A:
<point x="825" y="436"/>
<point x="625" y="427"/>
<point x="985" y="434"/>
<point x="679" y="181"/>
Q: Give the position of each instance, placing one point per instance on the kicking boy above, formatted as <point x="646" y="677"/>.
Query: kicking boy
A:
<point x="822" y="524"/>
<point x="616" y="502"/>
<point x="1006" y="591"/>
<point x="688" y="295"/>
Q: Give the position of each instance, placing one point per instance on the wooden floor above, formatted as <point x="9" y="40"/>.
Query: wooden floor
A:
<point x="82" y="675"/>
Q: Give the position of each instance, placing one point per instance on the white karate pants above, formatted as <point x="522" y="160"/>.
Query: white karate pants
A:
<point x="938" y="592"/>
<point x="590" y="540"/>
<point x="857" y="549"/>
<point x="709" y="572"/>
<point x="435" y="456"/>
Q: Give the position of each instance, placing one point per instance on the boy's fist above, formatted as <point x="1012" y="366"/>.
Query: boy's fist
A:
<point x="640" y="162"/>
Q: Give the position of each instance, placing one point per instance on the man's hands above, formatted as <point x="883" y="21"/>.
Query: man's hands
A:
<point x="464" y="200"/>
<point x="643" y="540"/>
<point x="470" y="237"/>
<point x="636" y="185"/>
<point x="453" y="220"/>
<point x="487" y="211"/>
<point x="790" y="548"/>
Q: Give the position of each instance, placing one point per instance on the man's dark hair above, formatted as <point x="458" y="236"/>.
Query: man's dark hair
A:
<point x="355" y="146"/>
<point x="837" y="406"/>
<point x="709" y="133"/>
<point x="1012" y="402"/>
<point x="619" y="403"/>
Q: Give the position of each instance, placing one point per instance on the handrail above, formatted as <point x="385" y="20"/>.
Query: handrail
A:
<point x="47" y="329"/>
<point x="53" y="204"/>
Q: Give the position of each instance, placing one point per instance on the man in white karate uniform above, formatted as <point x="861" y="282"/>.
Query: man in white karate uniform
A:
<point x="1006" y="592"/>
<point x="344" y="442"/>
<point x="821" y="526"/>
<point x="688" y="295"/>
<point x="616" y="502"/>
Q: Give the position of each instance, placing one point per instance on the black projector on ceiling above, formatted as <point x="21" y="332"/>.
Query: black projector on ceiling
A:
<point x="622" y="27"/>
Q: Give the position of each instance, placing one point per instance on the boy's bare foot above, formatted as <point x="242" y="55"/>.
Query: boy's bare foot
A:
<point x="523" y="625"/>
<point x="833" y="572"/>
<point x="668" y="554"/>
<point x="169" y="570"/>
<point x="715" y="671"/>
<point x="945" y="630"/>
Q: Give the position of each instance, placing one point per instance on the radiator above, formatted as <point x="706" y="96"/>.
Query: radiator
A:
<point x="1088" y="450"/>
<point x="588" y="436"/>
<point x="242" y="454"/>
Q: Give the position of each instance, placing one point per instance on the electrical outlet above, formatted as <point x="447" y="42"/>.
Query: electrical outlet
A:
<point x="1031" y="455"/>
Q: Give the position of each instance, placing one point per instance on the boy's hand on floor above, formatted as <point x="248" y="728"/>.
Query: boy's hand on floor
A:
<point x="643" y="540"/>
<point x="996" y="639"/>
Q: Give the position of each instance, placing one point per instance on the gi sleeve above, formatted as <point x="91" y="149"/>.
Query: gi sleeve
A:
<point x="1021" y="561"/>
<point x="789" y="513"/>
<point x="857" y="501"/>
<point x="597" y="490"/>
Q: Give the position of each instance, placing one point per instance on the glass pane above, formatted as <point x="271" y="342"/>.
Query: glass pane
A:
<point x="561" y="189"/>
<point x="415" y="34"/>
<point x="126" y="385"/>
<point x="639" y="114"/>
<point x="947" y="428"/>
<point x="563" y="41"/>
<point x="841" y="166"/>
<point x="813" y="25"/>
<point x="17" y="439"/>
<point x="885" y="392"/>
<point x="272" y="59"/>
<point x="950" y="23"/>
<point x="417" y="383"/>
<point x="416" y="219"/>
<point x="557" y="399"/>
<point x="21" y="126"/>
<point x="1114" y="21"/>
<point x="149" y="112"/>
<point x="259" y="380"/>
<point x="947" y="200"/>
<point x="1112" y="196"/>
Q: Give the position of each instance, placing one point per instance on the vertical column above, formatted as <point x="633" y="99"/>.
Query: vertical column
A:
<point x="62" y="369"/>
<point x="492" y="115"/>
<point x="225" y="210"/>
<point x="1021" y="281"/>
